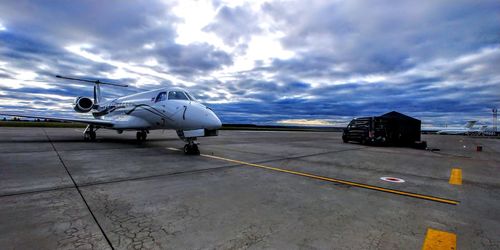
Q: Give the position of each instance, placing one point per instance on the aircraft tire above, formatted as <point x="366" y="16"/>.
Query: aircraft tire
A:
<point x="191" y="149"/>
<point x="86" y="136"/>
<point x="195" y="150"/>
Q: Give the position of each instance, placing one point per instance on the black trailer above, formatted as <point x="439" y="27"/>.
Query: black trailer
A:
<point x="392" y="128"/>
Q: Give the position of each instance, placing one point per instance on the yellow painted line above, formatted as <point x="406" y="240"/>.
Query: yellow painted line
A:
<point x="350" y="183"/>
<point x="456" y="176"/>
<point x="436" y="239"/>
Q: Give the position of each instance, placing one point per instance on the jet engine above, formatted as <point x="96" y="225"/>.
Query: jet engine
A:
<point x="83" y="104"/>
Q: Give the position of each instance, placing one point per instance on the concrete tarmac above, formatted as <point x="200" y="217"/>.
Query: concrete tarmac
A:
<point x="59" y="192"/>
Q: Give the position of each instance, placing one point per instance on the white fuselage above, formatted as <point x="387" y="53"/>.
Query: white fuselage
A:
<point x="455" y="131"/>
<point x="171" y="108"/>
<point x="158" y="109"/>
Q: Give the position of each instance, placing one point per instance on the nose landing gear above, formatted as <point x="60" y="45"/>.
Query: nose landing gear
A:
<point x="191" y="148"/>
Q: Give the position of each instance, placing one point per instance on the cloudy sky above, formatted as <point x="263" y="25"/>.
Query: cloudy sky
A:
<point x="264" y="62"/>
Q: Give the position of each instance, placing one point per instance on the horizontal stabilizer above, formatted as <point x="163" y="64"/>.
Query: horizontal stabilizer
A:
<point x="91" y="81"/>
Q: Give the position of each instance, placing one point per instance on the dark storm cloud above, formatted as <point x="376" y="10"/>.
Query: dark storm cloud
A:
<point x="28" y="52"/>
<point x="234" y="25"/>
<point x="466" y="87"/>
<point x="308" y="66"/>
<point x="435" y="60"/>
<point x="385" y="36"/>
<point x="116" y="30"/>
<point x="193" y="59"/>
<point x="109" y="24"/>
<point x="356" y="100"/>
<point x="456" y="43"/>
<point x="37" y="35"/>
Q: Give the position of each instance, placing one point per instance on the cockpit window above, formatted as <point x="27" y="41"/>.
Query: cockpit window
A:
<point x="162" y="96"/>
<point x="177" y="95"/>
<point x="190" y="96"/>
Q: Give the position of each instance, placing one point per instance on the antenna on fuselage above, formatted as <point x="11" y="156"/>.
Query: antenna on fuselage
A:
<point x="97" y="86"/>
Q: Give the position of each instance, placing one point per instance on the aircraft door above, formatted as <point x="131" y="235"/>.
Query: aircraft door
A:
<point x="157" y="113"/>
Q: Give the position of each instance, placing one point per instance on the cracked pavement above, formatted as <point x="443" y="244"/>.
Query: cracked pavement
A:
<point x="144" y="196"/>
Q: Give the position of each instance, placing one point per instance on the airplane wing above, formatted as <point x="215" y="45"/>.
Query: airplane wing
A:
<point x="66" y="119"/>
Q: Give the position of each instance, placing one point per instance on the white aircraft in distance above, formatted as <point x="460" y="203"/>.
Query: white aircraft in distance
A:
<point x="468" y="129"/>
<point x="172" y="108"/>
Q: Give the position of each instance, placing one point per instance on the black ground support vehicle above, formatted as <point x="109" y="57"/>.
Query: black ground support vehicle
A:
<point x="392" y="128"/>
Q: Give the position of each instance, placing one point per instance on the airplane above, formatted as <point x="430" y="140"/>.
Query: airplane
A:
<point x="468" y="129"/>
<point x="165" y="108"/>
<point x="445" y="129"/>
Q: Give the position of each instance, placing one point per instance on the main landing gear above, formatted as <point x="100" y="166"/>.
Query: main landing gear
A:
<point x="89" y="134"/>
<point x="141" y="135"/>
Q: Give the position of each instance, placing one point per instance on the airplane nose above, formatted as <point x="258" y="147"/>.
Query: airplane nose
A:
<point x="200" y="116"/>
<point x="215" y="122"/>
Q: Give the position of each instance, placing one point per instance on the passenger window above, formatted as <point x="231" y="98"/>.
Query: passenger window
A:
<point x="161" y="97"/>
<point x="177" y="95"/>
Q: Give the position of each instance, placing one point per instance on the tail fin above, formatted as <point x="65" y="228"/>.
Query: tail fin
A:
<point x="470" y="124"/>
<point x="97" y="94"/>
